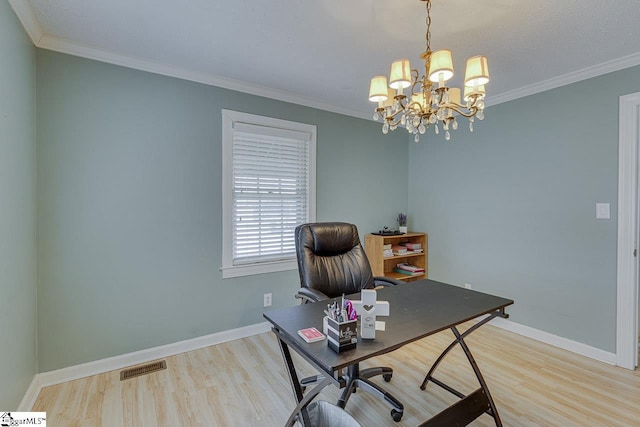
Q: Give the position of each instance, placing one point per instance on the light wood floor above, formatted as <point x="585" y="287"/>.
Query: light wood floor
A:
<point x="244" y="383"/>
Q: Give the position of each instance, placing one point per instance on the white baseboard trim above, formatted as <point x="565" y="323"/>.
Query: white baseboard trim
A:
<point x="30" y="396"/>
<point x="70" y="373"/>
<point x="129" y="359"/>
<point x="556" y="341"/>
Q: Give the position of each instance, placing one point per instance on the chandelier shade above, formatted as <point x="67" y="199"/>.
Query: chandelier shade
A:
<point x="441" y="67"/>
<point x="378" y="89"/>
<point x="477" y="71"/>
<point x="454" y="95"/>
<point x="400" y="75"/>
<point x="420" y="99"/>
<point x="430" y="101"/>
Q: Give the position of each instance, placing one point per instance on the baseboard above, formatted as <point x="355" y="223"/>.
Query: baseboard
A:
<point x="143" y="356"/>
<point x="30" y="396"/>
<point x="556" y="341"/>
<point x="125" y="360"/>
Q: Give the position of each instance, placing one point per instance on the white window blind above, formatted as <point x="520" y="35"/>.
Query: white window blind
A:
<point x="271" y="191"/>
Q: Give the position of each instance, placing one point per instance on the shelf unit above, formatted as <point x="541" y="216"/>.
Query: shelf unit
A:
<point x="383" y="266"/>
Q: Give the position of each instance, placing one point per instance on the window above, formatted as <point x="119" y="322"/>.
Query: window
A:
<point x="268" y="188"/>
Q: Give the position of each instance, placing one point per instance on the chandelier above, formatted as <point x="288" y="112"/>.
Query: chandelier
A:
<point x="427" y="104"/>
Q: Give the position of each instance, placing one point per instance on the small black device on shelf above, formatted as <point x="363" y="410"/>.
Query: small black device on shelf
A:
<point x="388" y="232"/>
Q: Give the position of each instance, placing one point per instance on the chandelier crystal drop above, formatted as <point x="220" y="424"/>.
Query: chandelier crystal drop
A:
<point x="428" y="104"/>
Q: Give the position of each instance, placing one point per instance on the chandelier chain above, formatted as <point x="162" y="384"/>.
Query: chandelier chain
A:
<point x="428" y="22"/>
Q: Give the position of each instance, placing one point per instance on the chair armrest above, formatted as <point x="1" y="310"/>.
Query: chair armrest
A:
<point x="386" y="281"/>
<point x="310" y="295"/>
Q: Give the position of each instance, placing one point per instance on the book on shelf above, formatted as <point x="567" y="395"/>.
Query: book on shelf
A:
<point x="408" y="273"/>
<point x="412" y="246"/>
<point x="399" y="250"/>
<point x="311" y="335"/>
<point x="387" y="250"/>
<point x="410" y="268"/>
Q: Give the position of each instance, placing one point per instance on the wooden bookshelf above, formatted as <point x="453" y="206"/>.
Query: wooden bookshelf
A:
<point x="383" y="266"/>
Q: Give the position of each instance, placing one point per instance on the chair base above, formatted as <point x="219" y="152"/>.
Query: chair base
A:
<point x="357" y="378"/>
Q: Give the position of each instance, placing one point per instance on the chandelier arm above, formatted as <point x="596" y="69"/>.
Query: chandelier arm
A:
<point x="415" y="76"/>
<point x="414" y="106"/>
<point x="417" y="82"/>
<point x="391" y="121"/>
<point x="391" y="117"/>
<point x="460" y="109"/>
<point x="420" y="110"/>
<point x="413" y="87"/>
<point x="403" y="103"/>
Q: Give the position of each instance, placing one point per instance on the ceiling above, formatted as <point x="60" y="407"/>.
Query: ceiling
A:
<point x="322" y="53"/>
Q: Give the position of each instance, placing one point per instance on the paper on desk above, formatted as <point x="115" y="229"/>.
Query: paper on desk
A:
<point x="380" y="325"/>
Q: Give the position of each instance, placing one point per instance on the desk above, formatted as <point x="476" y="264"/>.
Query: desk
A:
<point x="417" y="309"/>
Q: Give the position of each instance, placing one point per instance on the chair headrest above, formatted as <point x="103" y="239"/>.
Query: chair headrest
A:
<point x="331" y="259"/>
<point x="330" y="238"/>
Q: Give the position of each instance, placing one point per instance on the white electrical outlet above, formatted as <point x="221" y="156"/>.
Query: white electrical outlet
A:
<point x="267" y="300"/>
<point x="603" y="211"/>
<point x="467" y="285"/>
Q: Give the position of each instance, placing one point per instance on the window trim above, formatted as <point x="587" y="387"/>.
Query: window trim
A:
<point x="229" y="117"/>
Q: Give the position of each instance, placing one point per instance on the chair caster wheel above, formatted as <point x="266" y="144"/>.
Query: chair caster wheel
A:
<point x="387" y="377"/>
<point x="396" y="415"/>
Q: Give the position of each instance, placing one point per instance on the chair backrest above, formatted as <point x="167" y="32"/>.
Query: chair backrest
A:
<point x="331" y="258"/>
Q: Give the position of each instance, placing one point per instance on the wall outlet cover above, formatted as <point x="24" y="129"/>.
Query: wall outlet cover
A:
<point x="603" y="211"/>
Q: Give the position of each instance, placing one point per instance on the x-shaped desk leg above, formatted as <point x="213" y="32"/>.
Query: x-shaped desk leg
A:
<point x="300" y="412"/>
<point x="476" y="403"/>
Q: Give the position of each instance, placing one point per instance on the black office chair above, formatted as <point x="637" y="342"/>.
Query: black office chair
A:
<point x="332" y="262"/>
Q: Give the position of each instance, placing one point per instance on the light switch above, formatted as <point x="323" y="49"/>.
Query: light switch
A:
<point x="603" y="211"/>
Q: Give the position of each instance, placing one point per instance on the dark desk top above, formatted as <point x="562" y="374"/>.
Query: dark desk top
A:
<point x="416" y="310"/>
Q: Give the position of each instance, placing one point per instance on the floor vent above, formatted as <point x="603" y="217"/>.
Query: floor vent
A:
<point x="142" y="370"/>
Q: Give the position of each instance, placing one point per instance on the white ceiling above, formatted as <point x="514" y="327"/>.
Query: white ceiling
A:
<point x="322" y="53"/>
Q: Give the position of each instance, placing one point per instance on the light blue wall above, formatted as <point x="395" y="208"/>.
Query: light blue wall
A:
<point x="129" y="217"/>
<point x="129" y="206"/>
<point x="511" y="207"/>
<point x="17" y="210"/>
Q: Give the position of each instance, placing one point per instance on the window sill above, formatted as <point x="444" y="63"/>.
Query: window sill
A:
<point x="259" y="268"/>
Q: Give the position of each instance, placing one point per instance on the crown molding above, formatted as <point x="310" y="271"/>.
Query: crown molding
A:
<point x="26" y="16"/>
<point x="573" y="77"/>
<point x="65" y="46"/>
<point x="28" y="20"/>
